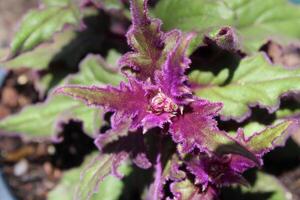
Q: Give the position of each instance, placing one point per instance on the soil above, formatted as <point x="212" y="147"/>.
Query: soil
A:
<point x="20" y="161"/>
<point x="291" y="180"/>
<point x="27" y="167"/>
<point x="288" y="56"/>
<point x="17" y="91"/>
<point x="32" y="169"/>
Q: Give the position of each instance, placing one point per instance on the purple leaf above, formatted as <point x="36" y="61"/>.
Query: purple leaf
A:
<point x="129" y="101"/>
<point x="172" y="79"/>
<point x="173" y="172"/>
<point x="150" y="45"/>
<point x="215" y="171"/>
<point x="240" y="164"/>
<point x="112" y="136"/>
<point x="227" y="169"/>
<point x="156" y="188"/>
<point x="196" y="127"/>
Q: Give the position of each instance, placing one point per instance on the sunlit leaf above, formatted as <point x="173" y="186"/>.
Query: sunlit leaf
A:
<point x="47" y="114"/>
<point x="40" y="57"/>
<point x="256" y="21"/>
<point x="40" y="25"/>
<point x="254" y="82"/>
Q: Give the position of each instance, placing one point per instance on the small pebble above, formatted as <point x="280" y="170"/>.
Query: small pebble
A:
<point x="57" y="174"/>
<point x="51" y="150"/>
<point x="48" y="168"/>
<point x="21" y="167"/>
<point x="9" y="97"/>
<point x="23" y="101"/>
<point x="22" y="80"/>
<point x="4" y="111"/>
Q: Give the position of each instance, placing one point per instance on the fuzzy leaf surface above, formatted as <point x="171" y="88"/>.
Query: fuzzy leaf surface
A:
<point x="123" y="99"/>
<point x="254" y="82"/>
<point x="199" y="129"/>
<point x="94" y="175"/>
<point x="150" y="45"/>
<point x="172" y="78"/>
<point x="266" y="140"/>
<point x="110" y="189"/>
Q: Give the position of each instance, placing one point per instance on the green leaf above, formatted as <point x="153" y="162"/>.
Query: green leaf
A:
<point x="41" y="119"/>
<point x="56" y="2"/>
<point x="149" y="44"/>
<point x="110" y="189"/>
<point x="251" y="128"/>
<point x="186" y="190"/>
<point x="255" y="81"/>
<point x="113" y="58"/>
<point x="192" y="14"/>
<point x="40" y="57"/>
<point x="256" y="21"/>
<point x="110" y="4"/>
<point x="57" y="108"/>
<point x="97" y="171"/>
<point x="269" y="138"/>
<point x="208" y="78"/>
<point x="266" y="183"/>
<point x="94" y="68"/>
<point x="282" y="113"/>
<point x="113" y="4"/>
<point x="40" y="25"/>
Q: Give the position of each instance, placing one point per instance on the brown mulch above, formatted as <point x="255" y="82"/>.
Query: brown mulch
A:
<point x="288" y="56"/>
<point x="27" y="167"/>
<point x="291" y="180"/>
<point x="17" y="91"/>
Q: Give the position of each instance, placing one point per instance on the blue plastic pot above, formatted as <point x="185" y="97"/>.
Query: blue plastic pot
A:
<point x="3" y="73"/>
<point x="295" y="1"/>
<point x="5" y="193"/>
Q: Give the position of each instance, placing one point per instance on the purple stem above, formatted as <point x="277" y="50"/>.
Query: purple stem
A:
<point x="158" y="174"/>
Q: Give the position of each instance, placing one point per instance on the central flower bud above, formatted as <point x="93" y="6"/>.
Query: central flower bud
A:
<point x="163" y="104"/>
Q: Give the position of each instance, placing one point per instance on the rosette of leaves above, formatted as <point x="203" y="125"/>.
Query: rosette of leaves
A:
<point x="162" y="124"/>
